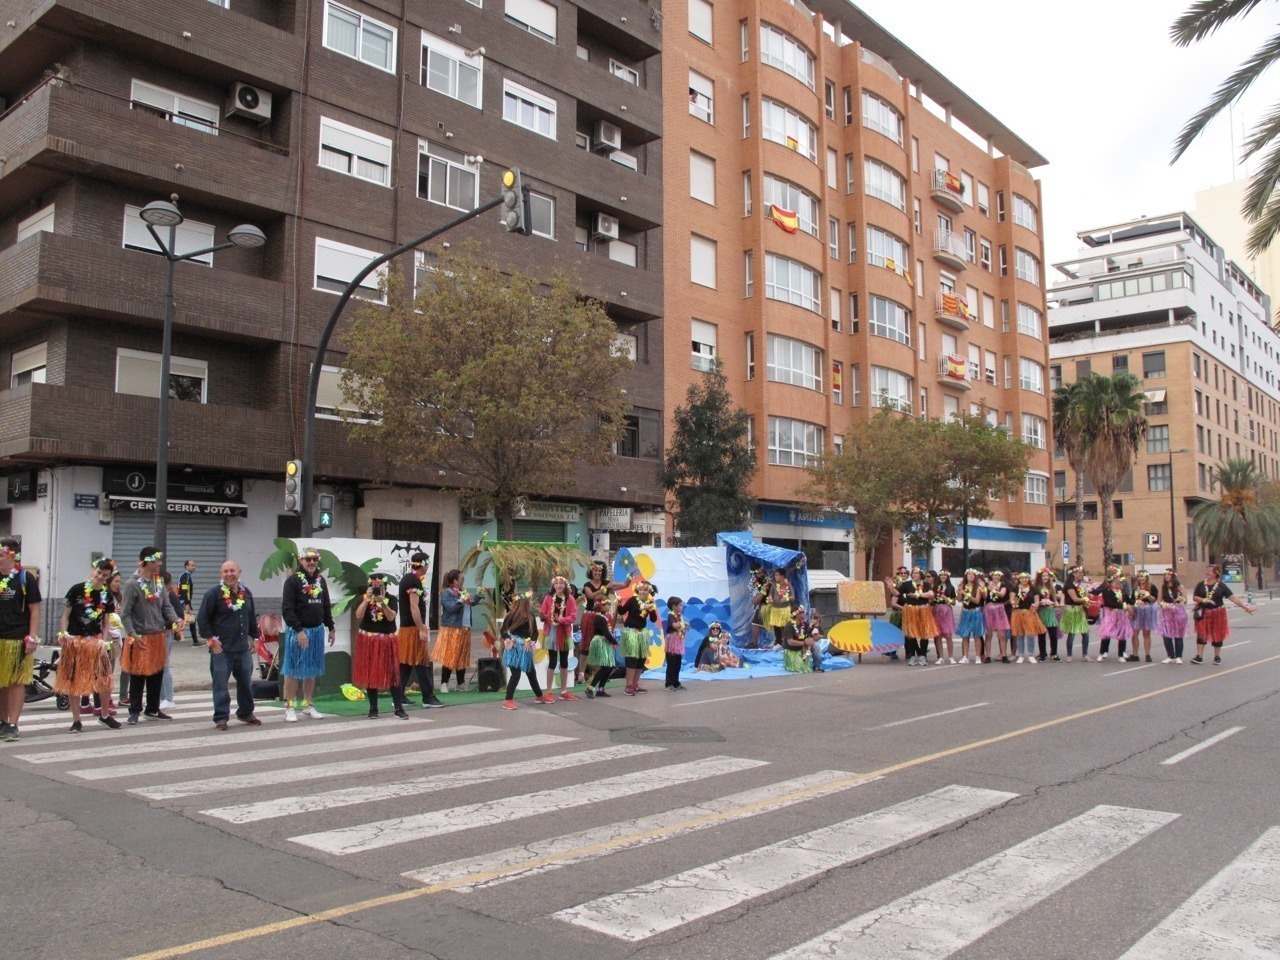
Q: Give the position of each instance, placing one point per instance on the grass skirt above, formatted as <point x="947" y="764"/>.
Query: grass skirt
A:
<point x="895" y="618"/>
<point x="994" y="616"/>
<point x="145" y="655"/>
<point x="83" y="668"/>
<point x="15" y="666"/>
<point x="944" y="618"/>
<point x="1115" y="624"/>
<point x="674" y="643"/>
<point x="917" y="622"/>
<point x="635" y="643"/>
<point x="453" y="648"/>
<point x="376" y="665"/>
<point x="517" y="654"/>
<point x="796" y="661"/>
<point x="304" y="664"/>
<point x="1048" y="616"/>
<point x="413" y="649"/>
<point x="1146" y="617"/>
<point x="1074" y="621"/>
<point x="1212" y="627"/>
<point x="972" y="624"/>
<point x="776" y="616"/>
<point x="1173" y="620"/>
<point x="1026" y="623"/>
<point x="601" y="653"/>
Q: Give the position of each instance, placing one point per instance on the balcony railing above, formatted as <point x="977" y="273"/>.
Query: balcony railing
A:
<point x="953" y="310"/>
<point x="950" y="249"/>
<point x="948" y="190"/>
<point x="953" y="371"/>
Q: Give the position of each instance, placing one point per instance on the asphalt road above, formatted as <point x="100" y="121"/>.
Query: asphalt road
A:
<point x="1082" y="810"/>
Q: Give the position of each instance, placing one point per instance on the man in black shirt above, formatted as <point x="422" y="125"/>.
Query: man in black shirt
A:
<point x="227" y="622"/>
<point x="308" y="613"/>
<point x="19" y="621"/>
<point x="187" y="591"/>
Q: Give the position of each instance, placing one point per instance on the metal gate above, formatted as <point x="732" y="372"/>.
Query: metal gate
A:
<point x="202" y="539"/>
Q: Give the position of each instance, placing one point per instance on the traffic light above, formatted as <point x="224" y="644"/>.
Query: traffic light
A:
<point x="293" y="486"/>
<point x="515" y="203"/>
<point x="326" y="511"/>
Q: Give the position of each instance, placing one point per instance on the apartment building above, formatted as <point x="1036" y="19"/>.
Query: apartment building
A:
<point x="340" y="129"/>
<point x="846" y="229"/>
<point x="1158" y="298"/>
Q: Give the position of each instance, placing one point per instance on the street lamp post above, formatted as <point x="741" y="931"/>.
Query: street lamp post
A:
<point x="165" y="213"/>
<point x="1173" y="522"/>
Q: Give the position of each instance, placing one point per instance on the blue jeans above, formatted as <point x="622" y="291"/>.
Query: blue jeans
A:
<point x="166" y="685"/>
<point x="238" y="665"/>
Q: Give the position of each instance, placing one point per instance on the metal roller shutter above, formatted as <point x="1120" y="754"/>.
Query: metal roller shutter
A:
<point x="538" y="531"/>
<point x="202" y="539"/>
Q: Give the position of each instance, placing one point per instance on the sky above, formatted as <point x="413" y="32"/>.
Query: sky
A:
<point x="1098" y="89"/>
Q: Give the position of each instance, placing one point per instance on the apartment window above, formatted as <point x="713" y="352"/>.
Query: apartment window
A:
<point x="1159" y="477"/>
<point x="331" y="402"/>
<point x="1004" y="316"/>
<point x="847" y="94"/>
<point x="751" y="356"/>
<point x="989" y="310"/>
<point x="879" y="116"/>
<point x="891" y="389"/>
<point x="1199" y="438"/>
<point x="447" y="69"/>
<point x="1158" y="438"/>
<point x="174" y="107"/>
<point x="886" y="250"/>
<point x="529" y="109"/>
<point x="746" y="193"/>
<point x="542" y="214"/>
<point x="837" y="382"/>
<point x="190" y="236"/>
<point x="1024" y="213"/>
<point x="915" y="155"/>
<point x="536" y="16"/>
<point x="884" y="184"/>
<point x="984" y="254"/>
<point x="788" y="196"/>
<point x="794" y="361"/>
<point x="359" y="37"/>
<point x="1203" y="476"/>
<point x="853" y="312"/>
<point x="1000" y="206"/>
<point x="1032" y="375"/>
<point x="833" y="168"/>
<point x="355" y="152"/>
<point x="1120" y="363"/>
<point x="641" y="435"/>
<point x="970" y="245"/>
<point x="702" y="261"/>
<point x="30" y="365"/>
<point x="855" y="385"/>
<point x="704" y="345"/>
<point x="785" y="52"/>
<point x="792" y="282"/>
<point x="446" y="177"/>
<point x="1026" y="267"/>
<point x="1055" y="376"/>
<point x="794" y="443"/>
<point x="1034" y="430"/>
<point x="138" y="375"/>
<point x="1083" y="368"/>
<point x="984" y="199"/>
<point x="746" y="116"/>
<point x="42" y="221"/>
<point x="337" y="265"/>
<point x="916" y="215"/>
<point x="966" y="188"/>
<point x="833" y="237"/>
<point x="835" y="297"/>
<point x="702" y="178"/>
<point x="889" y="319"/>
<point x="702" y="93"/>
<point x="852" y="242"/>
<point x="1004" y="260"/>
<point x="850" y="173"/>
<point x="783" y="125"/>
<point x="1153" y="364"/>
<point x="624" y="72"/>
<point x="829" y="99"/>
<point x="1029" y="320"/>
<point x="700" y="12"/>
<point x="1036" y="489"/>
<point x="748" y="263"/>
<point x="744" y="36"/>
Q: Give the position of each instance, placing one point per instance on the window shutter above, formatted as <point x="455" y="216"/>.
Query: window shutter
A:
<point x="535" y="13"/>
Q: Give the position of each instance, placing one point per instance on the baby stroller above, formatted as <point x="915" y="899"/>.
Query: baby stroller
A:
<point x="40" y="687"/>
<point x="270" y="653"/>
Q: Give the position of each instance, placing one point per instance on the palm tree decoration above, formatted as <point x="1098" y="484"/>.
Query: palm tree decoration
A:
<point x="1245" y="519"/>
<point x="1261" y="205"/>
<point x="1068" y="433"/>
<point x="1112" y="424"/>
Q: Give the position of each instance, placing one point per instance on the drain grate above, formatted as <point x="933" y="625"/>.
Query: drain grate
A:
<point x="666" y="735"/>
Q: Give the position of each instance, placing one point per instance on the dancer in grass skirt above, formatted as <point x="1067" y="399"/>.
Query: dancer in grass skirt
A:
<point x="412" y="640"/>
<point x="376" y="663"/>
<point x="1026" y="625"/>
<point x="637" y="613"/>
<point x="944" y="616"/>
<point x="1075" y="620"/>
<point x="973" y="625"/>
<point x="1146" y="614"/>
<point x="1173" y="616"/>
<point x="1210" y="598"/>
<point x="601" y="653"/>
<point x="519" y="630"/>
<point x="308" y="617"/>
<point x="918" y="628"/>
<point x="1050" y="600"/>
<point x="1114" y="623"/>
<point x="84" y="668"/>
<point x="997" y="619"/>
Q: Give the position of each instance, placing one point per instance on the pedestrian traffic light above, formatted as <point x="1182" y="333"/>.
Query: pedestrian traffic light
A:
<point x="293" y="486"/>
<point x="326" y="511"/>
<point x="515" y="203"/>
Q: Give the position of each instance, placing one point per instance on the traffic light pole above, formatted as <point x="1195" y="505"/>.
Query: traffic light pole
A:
<point x="313" y="382"/>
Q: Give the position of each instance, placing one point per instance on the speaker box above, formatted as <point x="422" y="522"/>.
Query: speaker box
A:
<point x="491" y="676"/>
<point x="266" y="689"/>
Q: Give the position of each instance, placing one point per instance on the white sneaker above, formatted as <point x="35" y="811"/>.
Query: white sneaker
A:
<point x="289" y="715"/>
<point x="961" y="660"/>
<point x="1167" y="660"/>
<point x="167" y="704"/>
<point x="313" y="713"/>
<point x="1103" y="656"/>
<point x="1177" y="659"/>
<point x="1020" y="660"/>
<point x="953" y="659"/>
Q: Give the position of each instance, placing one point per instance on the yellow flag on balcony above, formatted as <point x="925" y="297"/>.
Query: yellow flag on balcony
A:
<point x="793" y="144"/>
<point x="906" y="275"/>
<point x="890" y="264"/>
<point x="964" y="308"/>
<point x="951" y="305"/>
<point x="786" y="219"/>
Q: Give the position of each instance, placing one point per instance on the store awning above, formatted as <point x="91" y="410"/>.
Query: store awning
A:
<point x="201" y="507"/>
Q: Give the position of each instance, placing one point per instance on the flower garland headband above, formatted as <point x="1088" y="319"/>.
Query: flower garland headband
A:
<point x="152" y="558"/>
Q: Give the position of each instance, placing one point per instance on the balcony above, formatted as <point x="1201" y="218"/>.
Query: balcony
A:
<point x="953" y="373"/>
<point x="947" y="191"/>
<point x="953" y="311"/>
<point x="949" y="249"/>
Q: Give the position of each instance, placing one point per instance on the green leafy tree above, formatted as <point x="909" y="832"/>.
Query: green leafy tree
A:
<point x="506" y="383"/>
<point x="1261" y="203"/>
<point x="1068" y="433"/>
<point x="709" y="463"/>
<point x="1113" y="424"/>
<point x="1245" y="519"/>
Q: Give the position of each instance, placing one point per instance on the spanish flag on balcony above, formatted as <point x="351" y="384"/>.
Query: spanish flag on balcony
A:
<point x="793" y="144"/>
<point x="906" y="275"/>
<point x="956" y="368"/>
<point x="890" y="264"/>
<point x="786" y="219"/>
<point x="964" y="308"/>
<point x="954" y="183"/>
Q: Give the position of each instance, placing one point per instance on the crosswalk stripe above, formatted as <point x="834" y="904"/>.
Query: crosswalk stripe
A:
<point x="348" y="796"/>
<point x="308" y="729"/>
<point x="287" y="752"/>
<point x="63" y="720"/>
<point x="370" y="836"/>
<point x="342" y="768"/>
<point x="516" y="863"/>
<point x="653" y="908"/>
<point x="947" y="916"/>
<point x="1203" y="745"/>
<point x="1232" y="917"/>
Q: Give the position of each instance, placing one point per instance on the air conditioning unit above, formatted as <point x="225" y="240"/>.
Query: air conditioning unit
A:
<point x="604" y="227"/>
<point x="250" y="102"/>
<point x="607" y="136"/>
<point x="477" y="516"/>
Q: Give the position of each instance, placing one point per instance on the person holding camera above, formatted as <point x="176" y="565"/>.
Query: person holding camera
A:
<point x="376" y="664"/>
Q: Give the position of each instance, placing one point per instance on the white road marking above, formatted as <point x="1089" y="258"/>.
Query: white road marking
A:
<point x="945" y="917"/>
<point x="1232" y="917"/>
<point x="63" y="719"/>
<point x="1177" y="757"/>
<point x="543" y="856"/>
<point x="1143" y="666"/>
<point x="644" y="911"/>
<point x="285" y="753"/>
<point x="343" y="768"/>
<point x="930" y="716"/>
<point x="371" y="836"/>
<point x="741" y="696"/>
<point x="349" y="796"/>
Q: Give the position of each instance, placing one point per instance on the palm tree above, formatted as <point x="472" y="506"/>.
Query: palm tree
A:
<point x="1245" y="519"/>
<point x="1068" y="434"/>
<point x="1112" y="424"/>
<point x="1261" y="203"/>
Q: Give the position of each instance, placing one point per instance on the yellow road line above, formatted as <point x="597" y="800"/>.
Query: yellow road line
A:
<point x="250" y="933"/>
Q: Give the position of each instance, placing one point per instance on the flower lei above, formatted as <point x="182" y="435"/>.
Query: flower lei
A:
<point x="970" y="591"/>
<point x="150" y="591"/>
<point x="237" y="602"/>
<point x="783" y="591"/>
<point x="312" y="589"/>
<point x="92" y="611"/>
<point x="1024" y="591"/>
<point x="375" y="608"/>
